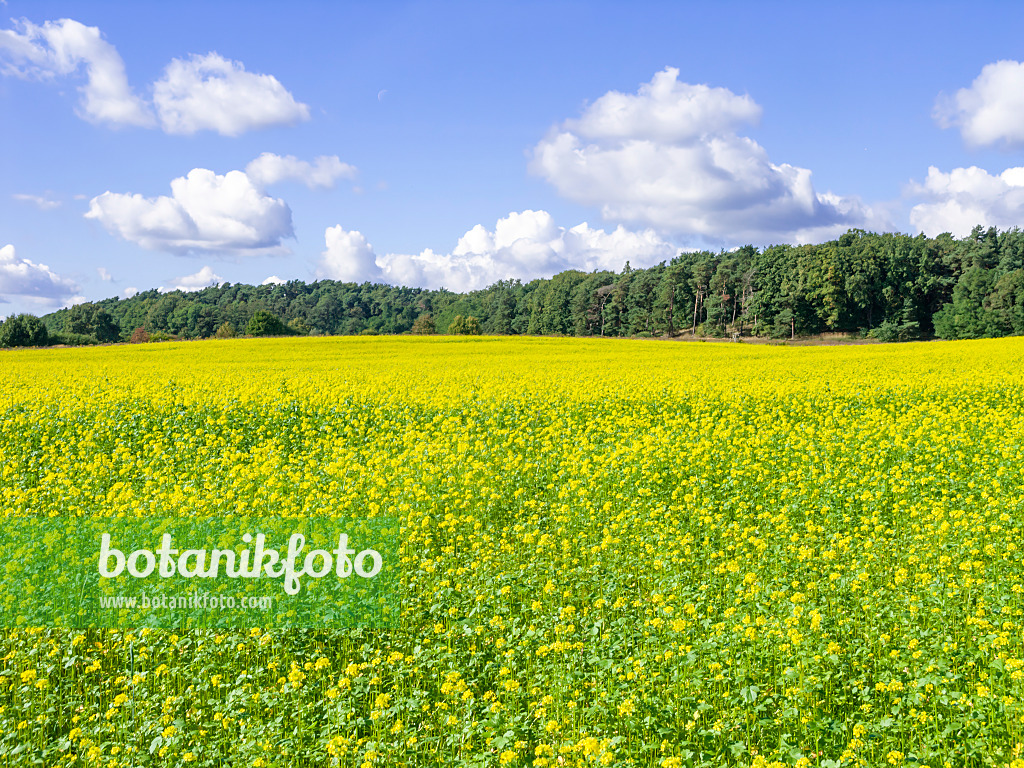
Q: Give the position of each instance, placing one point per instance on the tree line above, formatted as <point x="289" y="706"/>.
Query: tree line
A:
<point x="890" y="286"/>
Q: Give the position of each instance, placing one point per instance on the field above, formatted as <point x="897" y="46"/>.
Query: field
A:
<point x="618" y="553"/>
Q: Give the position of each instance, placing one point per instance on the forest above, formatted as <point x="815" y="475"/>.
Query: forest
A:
<point x="889" y="286"/>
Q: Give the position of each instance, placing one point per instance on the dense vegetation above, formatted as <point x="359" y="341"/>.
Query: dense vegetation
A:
<point x="892" y="286"/>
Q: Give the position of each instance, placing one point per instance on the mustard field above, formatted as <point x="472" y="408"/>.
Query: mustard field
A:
<point x="613" y="553"/>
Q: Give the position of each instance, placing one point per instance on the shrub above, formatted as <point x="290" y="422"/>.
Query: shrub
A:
<point x="139" y="336"/>
<point x="890" y="332"/>
<point x="72" y="339"/>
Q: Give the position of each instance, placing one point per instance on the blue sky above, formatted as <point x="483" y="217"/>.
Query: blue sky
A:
<point x="163" y="145"/>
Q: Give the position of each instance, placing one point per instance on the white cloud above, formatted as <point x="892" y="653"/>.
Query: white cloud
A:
<point x="27" y="280"/>
<point x="129" y="292"/>
<point x="349" y="257"/>
<point x="105" y="276"/>
<point x="323" y="172"/>
<point x="205" y="213"/>
<point x="991" y="111"/>
<point x="274" y="280"/>
<point x="194" y="94"/>
<point x="204" y="278"/>
<point x="524" y="245"/>
<point x="665" y="110"/>
<point x="213" y="93"/>
<point x="41" y="202"/>
<point x="959" y="200"/>
<point x="669" y="157"/>
<point x="60" y="48"/>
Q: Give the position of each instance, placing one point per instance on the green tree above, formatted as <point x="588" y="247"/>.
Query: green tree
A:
<point x="92" y="320"/>
<point x="264" y="323"/>
<point x="1006" y="303"/>
<point x="966" y="316"/>
<point x="23" y="331"/>
<point x="424" y="325"/>
<point x="464" y="326"/>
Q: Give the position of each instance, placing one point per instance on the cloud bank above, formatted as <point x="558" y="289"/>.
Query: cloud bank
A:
<point x="524" y="245"/>
<point x="669" y="157"/>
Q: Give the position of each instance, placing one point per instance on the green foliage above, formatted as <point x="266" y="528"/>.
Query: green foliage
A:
<point x="298" y="326"/>
<point x="92" y="320"/>
<point x="890" y="332"/>
<point x="265" y="323"/>
<point x="955" y="288"/>
<point x="449" y="309"/>
<point x="72" y="339"/>
<point x="783" y="327"/>
<point x="424" y="325"/>
<point x="464" y="326"/>
<point x="160" y="336"/>
<point x="226" y="331"/>
<point x="23" y="331"/>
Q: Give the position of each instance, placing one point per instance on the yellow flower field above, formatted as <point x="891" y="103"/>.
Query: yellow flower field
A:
<point x="620" y="553"/>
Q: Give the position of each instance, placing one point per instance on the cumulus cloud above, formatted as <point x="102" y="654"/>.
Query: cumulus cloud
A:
<point x="665" y="110"/>
<point x="669" y="157"/>
<point x="204" y="278"/>
<point x="323" y="172"/>
<point x="957" y="201"/>
<point x="194" y="94"/>
<point x="61" y="48"/>
<point x="129" y="292"/>
<point x="205" y="213"/>
<point x="26" y="280"/>
<point x="213" y="93"/>
<point x="991" y="111"/>
<point x="39" y="201"/>
<point x="105" y="276"/>
<point x="349" y="257"/>
<point x="274" y="280"/>
<point x="523" y="245"/>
